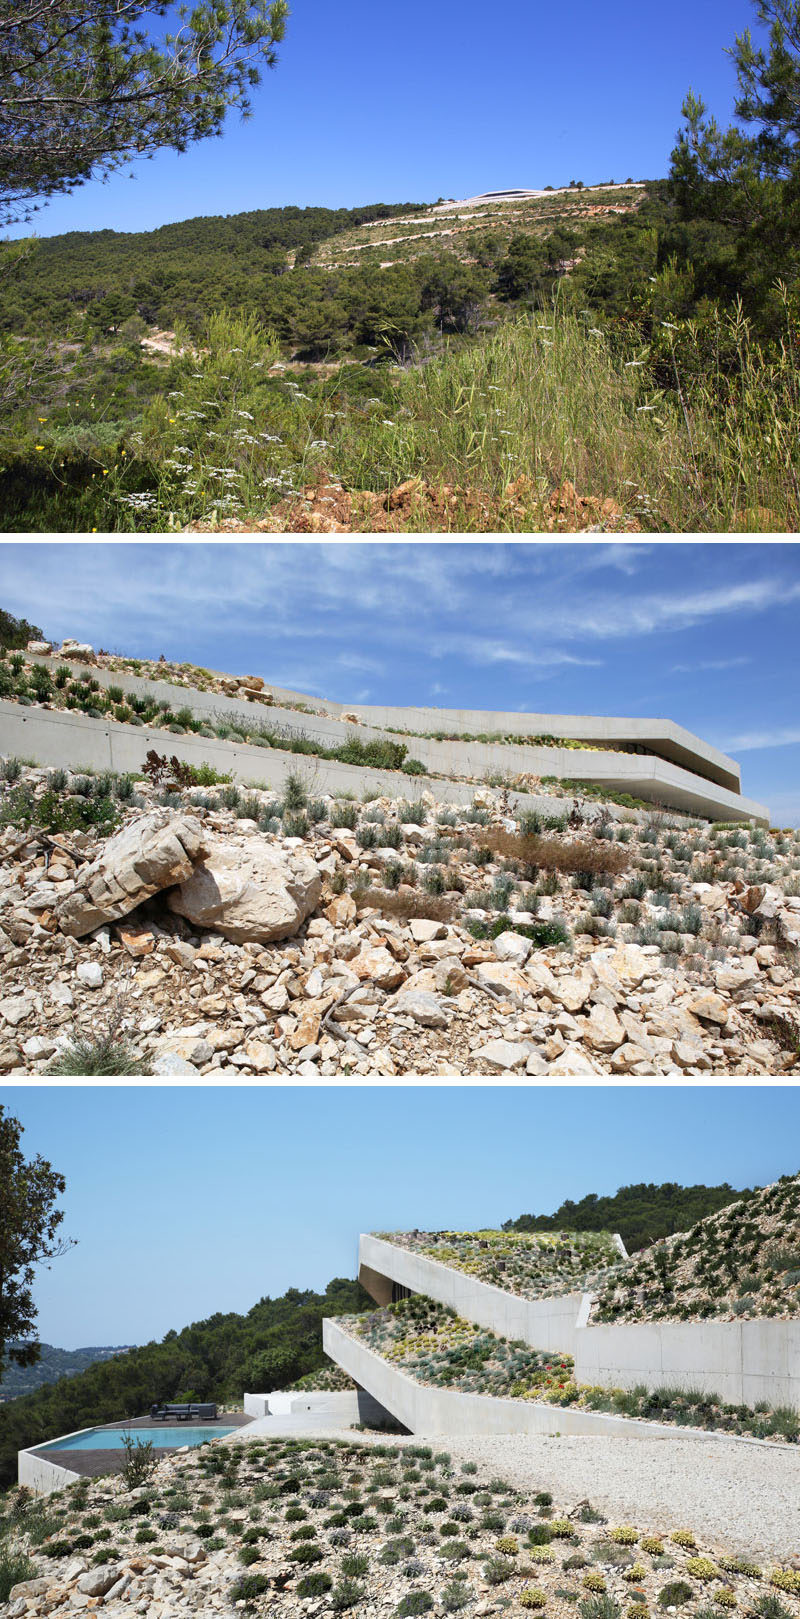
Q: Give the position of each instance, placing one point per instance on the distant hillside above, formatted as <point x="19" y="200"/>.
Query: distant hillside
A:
<point x="277" y="1342"/>
<point x="52" y="1364"/>
<point x="641" y="1214"/>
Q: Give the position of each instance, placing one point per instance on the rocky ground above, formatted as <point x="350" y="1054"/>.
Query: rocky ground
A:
<point x="328" y="508"/>
<point x="217" y="944"/>
<point x="742" y="1262"/>
<point x="319" y="1527"/>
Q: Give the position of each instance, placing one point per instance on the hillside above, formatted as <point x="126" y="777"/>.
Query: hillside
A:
<point x="382" y="1529"/>
<point x="641" y="1213"/>
<point x="275" y="1343"/>
<point x="398" y="934"/>
<point x="569" y="361"/>
<point x="52" y="1364"/>
<point x="742" y="1263"/>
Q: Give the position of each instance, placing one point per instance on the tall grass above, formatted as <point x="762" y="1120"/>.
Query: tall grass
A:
<point x="698" y="429"/>
<point x="550" y="398"/>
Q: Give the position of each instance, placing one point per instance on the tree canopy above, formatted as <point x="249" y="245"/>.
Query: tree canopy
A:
<point x="641" y="1213"/>
<point x="29" y="1236"/>
<point x="86" y="86"/>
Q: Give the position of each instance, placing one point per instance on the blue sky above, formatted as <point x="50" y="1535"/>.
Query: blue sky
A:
<point x="186" y="1201"/>
<point x="705" y="634"/>
<point x="375" y="100"/>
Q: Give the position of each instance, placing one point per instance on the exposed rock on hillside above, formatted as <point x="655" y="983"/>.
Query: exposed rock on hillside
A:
<point x="150" y="853"/>
<point x="259" y="893"/>
<point x="392" y="938"/>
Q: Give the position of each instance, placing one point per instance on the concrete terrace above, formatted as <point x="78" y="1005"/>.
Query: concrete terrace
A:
<point x="653" y="759"/>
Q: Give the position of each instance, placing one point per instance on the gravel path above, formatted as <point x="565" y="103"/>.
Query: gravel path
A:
<point x="742" y="1497"/>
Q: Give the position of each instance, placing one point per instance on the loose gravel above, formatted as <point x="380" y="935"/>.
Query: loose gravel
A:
<point x="745" y="1496"/>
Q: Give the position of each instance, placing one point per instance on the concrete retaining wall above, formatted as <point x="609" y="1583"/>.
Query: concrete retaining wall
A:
<point x="42" y="1475"/>
<point x="91" y="743"/>
<point x="547" y="1324"/>
<point x="62" y="737"/>
<point x="741" y="1361"/>
<point x="428" y="1410"/>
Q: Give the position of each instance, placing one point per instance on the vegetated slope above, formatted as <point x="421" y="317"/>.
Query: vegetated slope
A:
<point x="437" y="1348"/>
<point x="742" y="1262"/>
<point x="277" y="1341"/>
<point x="533" y="1267"/>
<point x="641" y="1212"/>
<point x="179" y="272"/>
<point x="462" y="1531"/>
<point x="52" y="1364"/>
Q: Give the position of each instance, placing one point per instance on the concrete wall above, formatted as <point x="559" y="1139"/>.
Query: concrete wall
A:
<point x="431" y="1411"/>
<point x="342" y="1405"/>
<point x="547" y="1324"/>
<point x="741" y="1361"/>
<point x="62" y="737"/>
<point x="660" y="737"/>
<point x="103" y="743"/>
<point x="42" y="1474"/>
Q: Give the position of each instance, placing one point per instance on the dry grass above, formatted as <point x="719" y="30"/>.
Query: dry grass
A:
<point x="549" y="854"/>
<point x="409" y="905"/>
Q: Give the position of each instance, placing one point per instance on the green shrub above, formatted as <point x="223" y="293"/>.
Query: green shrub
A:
<point x="15" y="1566"/>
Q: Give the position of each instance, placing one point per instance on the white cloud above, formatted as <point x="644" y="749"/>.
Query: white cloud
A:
<point x="709" y="663"/>
<point x="786" y="737"/>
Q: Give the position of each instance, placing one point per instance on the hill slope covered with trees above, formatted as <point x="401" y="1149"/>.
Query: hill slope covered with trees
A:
<point x="641" y="1213"/>
<point x="277" y="1342"/>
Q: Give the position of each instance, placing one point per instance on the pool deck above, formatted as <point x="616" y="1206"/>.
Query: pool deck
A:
<point x="98" y="1463"/>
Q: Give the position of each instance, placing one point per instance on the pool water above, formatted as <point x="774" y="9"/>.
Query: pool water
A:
<point x="162" y="1437"/>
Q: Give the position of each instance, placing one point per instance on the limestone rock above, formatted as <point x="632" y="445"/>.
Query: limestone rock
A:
<point x="151" y="853"/>
<point x="603" y="1030"/>
<point x="16" y="1008"/>
<point x="514" y="947"/>
<point x="379" y="966"/>
<point x="79" y="651"/>
<point x="90" y="973"/>
<point x="424" y="930"/>
<point x="709" y="1008"/>
<point x="341" y="910"/>
<point x="572" y="990"/>
<point x="423" y="1007"/>
<point x="99" y="1580"/>
<point x="506" y="1055"/>
<point x="573" y="1060"/>
<point x="504" y="976"/>
<point x="260" y="892"/>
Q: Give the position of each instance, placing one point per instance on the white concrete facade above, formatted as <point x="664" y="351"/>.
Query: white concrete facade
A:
<point x="742" y="1362"/>
<point x="67" y="737"/>
<point x="428" y="1410"/>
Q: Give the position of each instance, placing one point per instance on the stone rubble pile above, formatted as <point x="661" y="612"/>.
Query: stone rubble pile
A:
<point x="220" y="949"/>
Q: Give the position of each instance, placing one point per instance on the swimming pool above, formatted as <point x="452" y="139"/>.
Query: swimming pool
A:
<point x="163" y="1438"/>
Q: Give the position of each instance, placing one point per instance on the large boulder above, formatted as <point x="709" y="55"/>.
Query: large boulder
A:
<point x="79" y="651"/>
<point x="151" y="853"/>
<point x="259" y="892"/>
